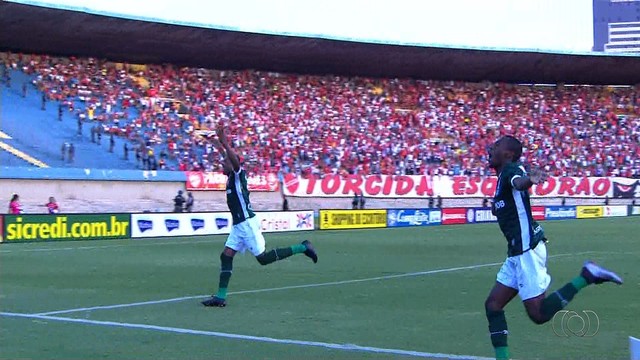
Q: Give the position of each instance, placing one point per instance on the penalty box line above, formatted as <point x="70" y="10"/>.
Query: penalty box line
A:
<point x="333" y="346"/>
<point x="332" y="283"/>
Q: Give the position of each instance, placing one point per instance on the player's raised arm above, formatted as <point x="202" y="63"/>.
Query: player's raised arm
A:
<point x="536" y="176"/>
<point x="231" y="154"/>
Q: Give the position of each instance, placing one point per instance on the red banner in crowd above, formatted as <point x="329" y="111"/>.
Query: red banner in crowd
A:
<point x="420" y="186"/>
<point x="452" y="216"/>
<point x="218" y="181"/>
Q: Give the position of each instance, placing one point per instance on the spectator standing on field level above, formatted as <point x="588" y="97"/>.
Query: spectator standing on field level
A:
<point x="189" y="205"/>
<point x="112" y="143"/>
<point x="63" y="150"/>
<point x="72" y="153"/>
<point x="52" y="206"/>
<point x="14" y="205"/>
<point x="285" y="203"/>
<point x="362" y="201"/>
<point x="178" y="201"/>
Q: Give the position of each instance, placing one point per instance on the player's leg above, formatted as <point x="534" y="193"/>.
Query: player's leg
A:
<point x="256" y="244"/>
<point x="234" y="244"/>
<point x="503" y="291"/>
<point x="541" y="308"/>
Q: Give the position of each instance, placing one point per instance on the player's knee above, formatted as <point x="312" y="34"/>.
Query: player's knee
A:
<point x="226" y="261"/>
<point x="537" y="317"/>
<point x="491" y="305"/>
<point x="262" y="260"/>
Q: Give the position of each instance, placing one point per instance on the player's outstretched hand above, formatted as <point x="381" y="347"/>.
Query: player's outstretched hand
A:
<point x="537" y="176"/>
<point x="221" y="135"/>
<point x="216" y="143"/>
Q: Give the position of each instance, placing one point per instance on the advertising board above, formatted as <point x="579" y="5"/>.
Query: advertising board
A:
<point x="452" y="216"/>
<point x="559" y="212"/>
<point x="214" y="223"/>
<point x="352" y="219"/>
<point x="413" y="217"/>
<point x="589" y="211"/>
<point x="26" y="227"/>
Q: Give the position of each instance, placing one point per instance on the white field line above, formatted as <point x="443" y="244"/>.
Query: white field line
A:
<point x="137" y="242"/>
<point x="342" y="282"/>
<point x="333" y="346"/>
<point x="332" y="283"/>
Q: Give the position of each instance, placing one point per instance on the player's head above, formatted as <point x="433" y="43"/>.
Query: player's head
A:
<point x="15" y="197"/>
<point x="507" y="149"/>
<point x="52" y="199"/>
<point x="227" y="167"/>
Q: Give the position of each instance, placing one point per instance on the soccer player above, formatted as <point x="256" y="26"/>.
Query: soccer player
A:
<point x="245" y="233"/>
<point x="524" y="272"/>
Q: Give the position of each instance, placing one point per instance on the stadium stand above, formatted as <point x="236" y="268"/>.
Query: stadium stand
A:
<point x="330" y="124"/>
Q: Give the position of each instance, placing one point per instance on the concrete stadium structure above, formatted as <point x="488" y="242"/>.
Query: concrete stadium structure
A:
<point x="41" y="30"/>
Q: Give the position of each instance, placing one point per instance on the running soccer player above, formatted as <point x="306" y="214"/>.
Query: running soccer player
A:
<point x="524" y="272"/>
<point x="245" y="233"/>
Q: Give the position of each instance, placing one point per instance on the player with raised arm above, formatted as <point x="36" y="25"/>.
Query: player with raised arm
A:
<point x="245" y="234"/>
<point x="524" y="272"/>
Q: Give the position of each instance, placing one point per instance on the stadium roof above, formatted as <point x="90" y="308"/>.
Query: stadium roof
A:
<point x="60" y="32"/>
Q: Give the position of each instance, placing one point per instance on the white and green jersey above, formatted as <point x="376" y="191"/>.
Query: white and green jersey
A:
<point x="238" y="197"/>
<point x="513" y="210"/>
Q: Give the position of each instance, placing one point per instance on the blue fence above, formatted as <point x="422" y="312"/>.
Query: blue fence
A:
<point x="90" y="174"/>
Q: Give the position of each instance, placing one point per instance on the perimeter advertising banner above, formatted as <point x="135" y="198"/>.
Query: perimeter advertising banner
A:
<point x="560" y="212"/>
<point x="589" y="212"/>
<point x="1" y="227"/>
<point x="634" y="210"/>
<point x="453" y="216"/>
<point x="352" y="219"/>
<point x="27" y="227"/>
<point x="480" y="215"/>
<point x="413" y="217"/>
<point x="538" y="212"/>
<point x="615" y="211"/>
<point x="214" y="223"/>
<point x="180" y="224"/>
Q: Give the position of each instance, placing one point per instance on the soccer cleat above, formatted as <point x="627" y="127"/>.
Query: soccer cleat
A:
<point x="596" y="274"/>
<point x="310" y="252"/>
<point x="215" y="301"/>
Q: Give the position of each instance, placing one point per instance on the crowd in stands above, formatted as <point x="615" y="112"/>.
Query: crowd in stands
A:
<point x="330" y="124"/>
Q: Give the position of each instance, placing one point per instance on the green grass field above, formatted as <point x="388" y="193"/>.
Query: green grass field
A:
<point x="426" y="311"/>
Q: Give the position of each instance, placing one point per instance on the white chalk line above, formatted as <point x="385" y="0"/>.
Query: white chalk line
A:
<point x="333" y="346"/>
<point x="137" y="242"/>
<point x="332" y="283"/>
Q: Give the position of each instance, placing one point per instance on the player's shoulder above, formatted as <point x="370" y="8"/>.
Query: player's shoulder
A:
<point x="514" y="168"/>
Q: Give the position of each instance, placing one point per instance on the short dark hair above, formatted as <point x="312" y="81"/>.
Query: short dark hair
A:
<point x="514" y="145"/>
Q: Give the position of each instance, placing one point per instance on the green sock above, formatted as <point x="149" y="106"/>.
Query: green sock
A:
<point x="498" y="331"/>
<point x="502" y="353"/>
<point x="222" y="293"/>
<point x="561" y="297"/>
<point x="226" y="269"/>
<point x="298" y="248"/>
<point x="579" y="283"/>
